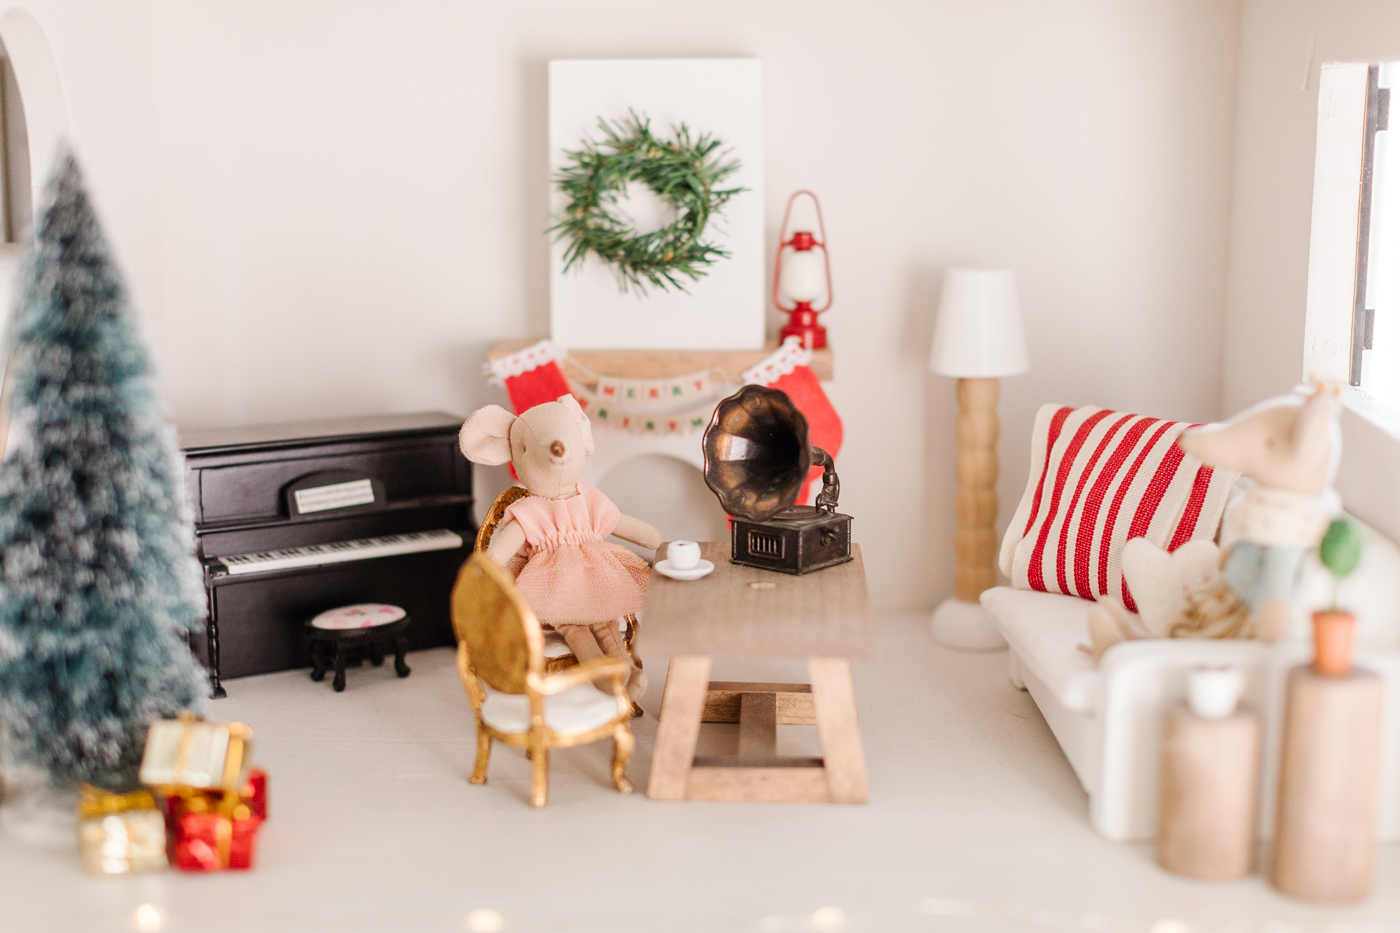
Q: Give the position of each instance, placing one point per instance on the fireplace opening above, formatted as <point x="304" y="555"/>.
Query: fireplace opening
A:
<point x="668" y="493"/>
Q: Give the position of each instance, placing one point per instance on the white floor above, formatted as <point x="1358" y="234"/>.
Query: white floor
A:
<point x="975" y="824"/>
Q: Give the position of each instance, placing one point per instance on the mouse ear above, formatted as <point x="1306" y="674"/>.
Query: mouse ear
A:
<point x="1313" y="430"/>
<point x="571" y="403"/>
<point x="485" y="436"/>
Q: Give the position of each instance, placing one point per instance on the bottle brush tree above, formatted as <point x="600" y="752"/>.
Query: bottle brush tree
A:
<point x="99" y="587"/>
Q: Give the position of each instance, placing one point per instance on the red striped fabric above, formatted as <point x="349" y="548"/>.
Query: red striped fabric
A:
<point x="1097" y="478"/>
<point x="1084" y="538"/>
<point x="1187" y="526"/>
<point x="1056" y="422"/>
<point x="1125" y="483"/>
<point x="1037" y="576"/>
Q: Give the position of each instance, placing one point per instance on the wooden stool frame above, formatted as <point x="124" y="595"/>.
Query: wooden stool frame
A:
<point x="334" y="648"/>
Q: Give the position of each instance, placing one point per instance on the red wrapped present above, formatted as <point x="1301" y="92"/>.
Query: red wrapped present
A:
<point x="211" y="832"/>
<point x="255" y="793"/>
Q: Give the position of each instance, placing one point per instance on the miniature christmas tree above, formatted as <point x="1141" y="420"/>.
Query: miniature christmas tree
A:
<point x="98" y="582"/>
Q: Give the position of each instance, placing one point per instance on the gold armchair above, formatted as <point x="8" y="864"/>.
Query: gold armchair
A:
<point x="557" y="655"/>
<point x="500" y="657"/>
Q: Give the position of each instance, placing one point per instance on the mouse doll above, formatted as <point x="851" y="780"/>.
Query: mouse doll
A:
<point x="553" y="539"/>
<point x="1289" y="448"/>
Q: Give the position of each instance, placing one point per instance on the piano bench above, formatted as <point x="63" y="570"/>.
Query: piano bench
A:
<point x="333" y="645"/>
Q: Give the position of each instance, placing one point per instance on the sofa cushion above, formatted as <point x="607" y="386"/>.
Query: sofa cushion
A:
<point x="1045" y="630"/>
<point x="1098" y="478"/>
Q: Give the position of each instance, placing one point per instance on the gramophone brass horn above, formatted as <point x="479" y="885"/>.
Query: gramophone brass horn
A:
<point x="757" y="454"/>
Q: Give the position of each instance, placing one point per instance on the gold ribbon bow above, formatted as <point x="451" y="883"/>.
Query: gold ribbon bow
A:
<point x="96" y="802"/>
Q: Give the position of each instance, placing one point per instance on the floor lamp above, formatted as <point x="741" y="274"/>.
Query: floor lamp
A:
<point x="977" y="339"/>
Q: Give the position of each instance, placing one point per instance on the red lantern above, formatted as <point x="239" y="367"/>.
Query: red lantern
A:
<point x="800" y="278"/>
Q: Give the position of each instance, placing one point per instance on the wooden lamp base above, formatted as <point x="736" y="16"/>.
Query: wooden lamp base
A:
<point x="961" y="622"/>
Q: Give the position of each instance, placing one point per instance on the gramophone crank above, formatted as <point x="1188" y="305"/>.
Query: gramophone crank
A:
<point x="757" y="457"/>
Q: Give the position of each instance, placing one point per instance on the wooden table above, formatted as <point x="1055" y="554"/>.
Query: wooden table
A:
<point x="745" y="612"/>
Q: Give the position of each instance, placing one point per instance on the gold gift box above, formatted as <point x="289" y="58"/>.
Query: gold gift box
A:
<point x="120" y="834"/>
<point x="187" y="752"/>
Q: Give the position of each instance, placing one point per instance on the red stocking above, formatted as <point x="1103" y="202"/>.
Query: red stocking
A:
<point x="531" y="376"/>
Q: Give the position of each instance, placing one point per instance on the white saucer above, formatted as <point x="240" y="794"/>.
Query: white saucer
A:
<point x="701" y="569"/>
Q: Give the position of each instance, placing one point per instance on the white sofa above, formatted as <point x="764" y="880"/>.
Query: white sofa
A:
<point x="1107" y="718"/>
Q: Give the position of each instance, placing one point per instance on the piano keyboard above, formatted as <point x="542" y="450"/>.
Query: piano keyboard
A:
<point x="342" y="551"/>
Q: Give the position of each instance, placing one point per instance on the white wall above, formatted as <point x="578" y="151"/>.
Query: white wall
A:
<point x="330" y="208"/>
<point x="103" y="53"/>
<point x="1275" y="142"/>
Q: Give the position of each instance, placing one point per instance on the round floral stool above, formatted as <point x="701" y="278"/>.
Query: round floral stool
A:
<point x="349" y="634"/>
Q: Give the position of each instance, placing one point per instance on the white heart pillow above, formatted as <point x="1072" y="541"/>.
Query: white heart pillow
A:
<point x="1159" y="580"/>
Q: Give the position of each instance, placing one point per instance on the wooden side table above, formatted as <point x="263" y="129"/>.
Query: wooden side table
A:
<point x="746" y="612"/>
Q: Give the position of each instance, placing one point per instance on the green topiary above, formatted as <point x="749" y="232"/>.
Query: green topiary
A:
<point x="1340" y="552"/>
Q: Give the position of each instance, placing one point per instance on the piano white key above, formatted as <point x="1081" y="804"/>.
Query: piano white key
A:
<point x="342" y="551"/>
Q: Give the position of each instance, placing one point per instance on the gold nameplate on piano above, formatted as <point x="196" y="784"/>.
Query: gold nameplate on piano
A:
<point x="339" y="552"/>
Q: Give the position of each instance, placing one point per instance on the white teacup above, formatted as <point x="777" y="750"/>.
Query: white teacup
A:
<point x="683" y="555"/>
<point x="1214" y="692"/>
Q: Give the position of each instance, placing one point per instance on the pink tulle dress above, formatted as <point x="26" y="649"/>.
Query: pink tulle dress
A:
<point x="571" y="575"/>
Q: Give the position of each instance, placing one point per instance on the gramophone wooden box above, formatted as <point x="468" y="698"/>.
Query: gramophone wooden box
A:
<point x="757" y="458"/>
<point x="799" y="539"/>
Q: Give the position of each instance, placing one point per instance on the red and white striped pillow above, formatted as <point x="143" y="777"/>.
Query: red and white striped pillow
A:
<point x="1098" y="478"/>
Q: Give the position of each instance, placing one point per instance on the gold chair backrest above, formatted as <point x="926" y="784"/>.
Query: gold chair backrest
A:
<point x="502" y="636"/>
<point x="496" y="513"/>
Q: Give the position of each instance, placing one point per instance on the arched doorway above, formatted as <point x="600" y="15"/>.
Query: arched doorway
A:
<point x="35" y="116"/>
<point x="33" y="121"/>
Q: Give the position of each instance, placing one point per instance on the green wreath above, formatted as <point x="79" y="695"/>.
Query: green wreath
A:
<point x="684" y="173"/>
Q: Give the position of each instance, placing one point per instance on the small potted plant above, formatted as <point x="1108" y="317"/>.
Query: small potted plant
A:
<point x="1333" y="629"/>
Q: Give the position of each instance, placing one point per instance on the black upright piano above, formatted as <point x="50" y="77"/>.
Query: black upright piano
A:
<point x="294" y="519"/>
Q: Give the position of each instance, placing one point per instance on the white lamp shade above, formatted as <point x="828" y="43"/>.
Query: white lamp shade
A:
<point x="978" y="333"/>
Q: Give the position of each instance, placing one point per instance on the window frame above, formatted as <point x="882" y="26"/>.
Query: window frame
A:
<point x="1340" y="223"/>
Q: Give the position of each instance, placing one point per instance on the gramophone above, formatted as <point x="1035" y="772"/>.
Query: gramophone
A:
<point x="757" y="457"/>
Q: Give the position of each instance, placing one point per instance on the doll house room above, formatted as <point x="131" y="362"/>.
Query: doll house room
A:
<point x="814" y="467"/>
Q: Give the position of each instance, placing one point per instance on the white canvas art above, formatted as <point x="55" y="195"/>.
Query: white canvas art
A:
<point x="723" y="310"/>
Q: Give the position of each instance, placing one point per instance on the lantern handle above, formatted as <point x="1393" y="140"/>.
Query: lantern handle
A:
<point x="826" y="257"/>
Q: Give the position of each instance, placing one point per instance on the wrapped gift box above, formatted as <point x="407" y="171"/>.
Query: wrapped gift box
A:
<point x="120" y="834"/>
<point x="215" y="831"/>
<point x="255" y="792"/>
<point x="187" y="752"/>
